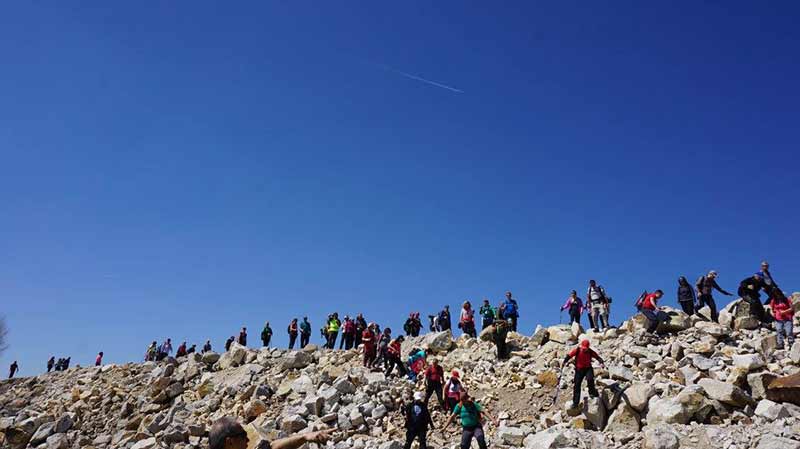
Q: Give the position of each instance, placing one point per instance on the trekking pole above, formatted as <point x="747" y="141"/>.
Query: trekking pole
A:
<point x="560" y="317"/>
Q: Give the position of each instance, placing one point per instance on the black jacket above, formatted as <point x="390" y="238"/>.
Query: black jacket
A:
<point x="750" y="287"/>
<point x="685" y="293"/>
<point x="423" y="420"/>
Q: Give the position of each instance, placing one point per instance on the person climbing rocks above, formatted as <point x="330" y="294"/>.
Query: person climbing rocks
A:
<point x="444" y="319"/>
<point x="686" y="296"/>
<point x="648" y="306"/>
<point x="583" y="356"/>
<point x="368" y="341"/>
<point x="510" y="311"/>
<point x="165" y="350"/>
<point x="361" y="326"/>
<point x="192" y="349"/>
<point x="266" y="334"/>
<point x="226" y="433"/>
<point x="417" y="363"/>
<point x="499" y="336"/>
<point x="766" y="276"/>
<point x="151" y="352"/>
<point x="348" y="333"/>
<point x="393" y="354"/>
<point x="783" y="313"/>
<point x="305" y="332"/>
<point x="749" y="290"/>
<point x="434" y="375"/>
<point x="598" y="306"/>
<point x="292" y="330"/>
<point x="705" y="287"/>
<point x="333" y="330"/>
<point x="243" y="337"/>
<point x="575" y="307"/>
<point x="181" y="352"/>
<point x="51" y="363"/>
<point x="471" y="414"/>
<point x="418" y="419"/>
<point x="383" y="347"/>
<point x="207" y="346"/>
<point x="229" y="343"/>
<point x="416" y="325"/>
<point x="452" y="390"/>
<point x="407" y="326"/>
<point x="487" y="313"/>
<point x="99" y="359"/>
<point x="466" y="321"/>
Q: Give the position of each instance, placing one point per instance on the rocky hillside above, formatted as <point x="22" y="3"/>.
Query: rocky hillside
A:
<point x="701" y="385"/>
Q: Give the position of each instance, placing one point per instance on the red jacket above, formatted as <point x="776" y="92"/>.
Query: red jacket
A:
<point x="434" y="373"/>
<point x="368" y="340"/>
<point x="583" y="357"/>
<point x="649" y="302"/>
<point x="782" y="310"/>
<point x="394" y="348"/>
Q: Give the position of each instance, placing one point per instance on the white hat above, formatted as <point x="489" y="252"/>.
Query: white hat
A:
<point x="418" y="396"/>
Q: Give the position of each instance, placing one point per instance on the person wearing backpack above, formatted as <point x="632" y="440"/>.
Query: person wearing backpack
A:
<point x="207" y="346"/>
<point x="511" y="311"/>
<point x="444" y="319"/>
<point x="393" y="354"/>
<point x="583" y="356"/>
<point x="192" y="349"/>
<point x="266" y="334"/>
<point x="416" y="325"/>
<point x="783" y="313"/>
<point x="408" y="325"/>
<point x="452" y="390"/>
<point x="686" y="296"/>
<point x="487" y="314"/>
<point x="305" y="332"/>
<point x="766" y="277"/>
<point x="417" y="421"/>
<point x="749" y="291"/>
<point x="466" y="321"/>
<point x="292" y="330"/>
<point x="471" y="415"/>
<point x="333" y="330"/>
<point x="648" y="306"/>
<point x="229" y="343"/>
<point x="575" y="307"/>
<point x="597" y="303"/>
<point x="434" y="375"/>
<point x="181" y="350"/>
<point x="705" y="287"/>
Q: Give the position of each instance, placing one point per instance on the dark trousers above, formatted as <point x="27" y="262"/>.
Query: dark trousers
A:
<point x="513" y="323"/>
<point x="653" y="318"/>
<point x="451" y="403"/>
<point x="575" y="316"/>
<point x="266" y="341"/>
<point x="357" y="342"/>
<point x="486" y="322"/>
<point x="688" y="307"/>
<point x="369" y="357"/>
<point x="420" y="434"/>
<point x="709" y="301"/>
<point x="502" y="347"/>
<point x="393" y="361"/>
<point x="304" y="339"/>
<point x="292" y="339"/>
<point x="348" y="340"/>
<point x="431" y="388"/>
<point x="580" y="374"/>
<point x="468" y="433"/>
<point x="756" y="309"/>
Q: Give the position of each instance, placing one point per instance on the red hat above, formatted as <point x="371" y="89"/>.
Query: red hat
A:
<point x="455" y="374"/>
<point x="584" y="343"/>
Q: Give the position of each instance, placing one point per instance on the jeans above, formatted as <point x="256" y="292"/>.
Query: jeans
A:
<point x="431" y="388"/>
<point x="687" y="306"/>
<point x="785" y="328"/>
<point x="486" y="322"/>
<point x="292" y="339"/>
<point x="709" y="301"/>
<point x="304" y="339"/>
<point x="580" y="374"/>
<point x="468" y="433"/>
<point x="347" y="341"/>
<point x="654" y="316"/>
<point x="420" y="434"/>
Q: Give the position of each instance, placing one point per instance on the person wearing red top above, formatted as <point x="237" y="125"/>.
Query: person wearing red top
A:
<point x="368" y="341"/>
<point x="99" y="360"/>
<point x="393" y="355"/>
<point x="649" y="308"/>
<point x="784" y="314"/>
<point x="583" y="355"/>
<point x="434" y="375"/>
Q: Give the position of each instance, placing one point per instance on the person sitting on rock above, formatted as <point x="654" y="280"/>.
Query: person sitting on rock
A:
<point x="705" y="287"/>
<point x="649" y="308"/>
<point x="575" y="307"/>
<point x="452" y="390"/>
<point x="226" y="433"/>
<point x="434" y="375"/>
<point x="181" y="350"/>
<point x="370" y="349"/>
<point x="207" y="346"/>
<point x="749" y="290"/>
<point x="471" y="414"/>
<point x="393" y="354"/>
<point x="418" y="419"/>
<point x="583" y="356"/>
<point x="783" y="314"/>
<point x="229" y="342"/>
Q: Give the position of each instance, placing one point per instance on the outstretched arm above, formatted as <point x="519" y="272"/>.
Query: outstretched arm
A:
<point x="295" y="441"/>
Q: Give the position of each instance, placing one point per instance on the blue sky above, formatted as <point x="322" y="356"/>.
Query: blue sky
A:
<point x="182" y="169"/>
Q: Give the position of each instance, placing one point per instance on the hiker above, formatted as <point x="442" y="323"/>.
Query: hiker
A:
<point x="510" y="311"/>
<point x="266" y="334"/>
<point x="444" y="319"/>
<point x="466" y="321"/>
<point x="383" y="346"/>
<point x="452" y="390"/>
<point x="348" y="333"/>
<point x="783" y="314"/>
<point x="705" y="287"/>
<point x="433" y="323"/>
<point x="766" y="276"/>
<point x="487" y="314"/>
<point x="229" y="343"/>
<point x="648" y="306"/>
<point x="417" y="362"/>
<point x="393" y="357"/>
<point x="501" y="328"/>
<point x="418" y="418"/>
<point x="305" y="332"/>
<point x="165" y="350"/>
<point x="686" y="296"/>
<point x="471" y="414"/>
<point x="292" y="331"/>
<point x="434" y="375"/>
<point x="65" y="366"/>
<point x="226" y="433"/>
<point x="207" y="346"/>
<point x="151" y="352"/>
<point x="368" y="340"/>
<point x="361" y="326"/>
<point x="51" y="363"/>
<point x="333" y="330"/>
<point x="575" y="307"/>
<point x="181" y="350"/>
<point x="192" y="349"/>
<point x="13" y="369"/>
<point x="749" y="291"/>
<point x="99" y="360"/>
<point x="597" y="304"/>
<point x="583" y="355"/>
<point x="243" y="337"/>
<point x="417" y="325"/>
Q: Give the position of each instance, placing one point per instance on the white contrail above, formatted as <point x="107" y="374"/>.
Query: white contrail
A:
<point x="419" y="78"/>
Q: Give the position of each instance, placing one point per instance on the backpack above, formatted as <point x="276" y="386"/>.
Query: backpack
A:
<point x="640" y="300"/>
<point x="510" y="309"/>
